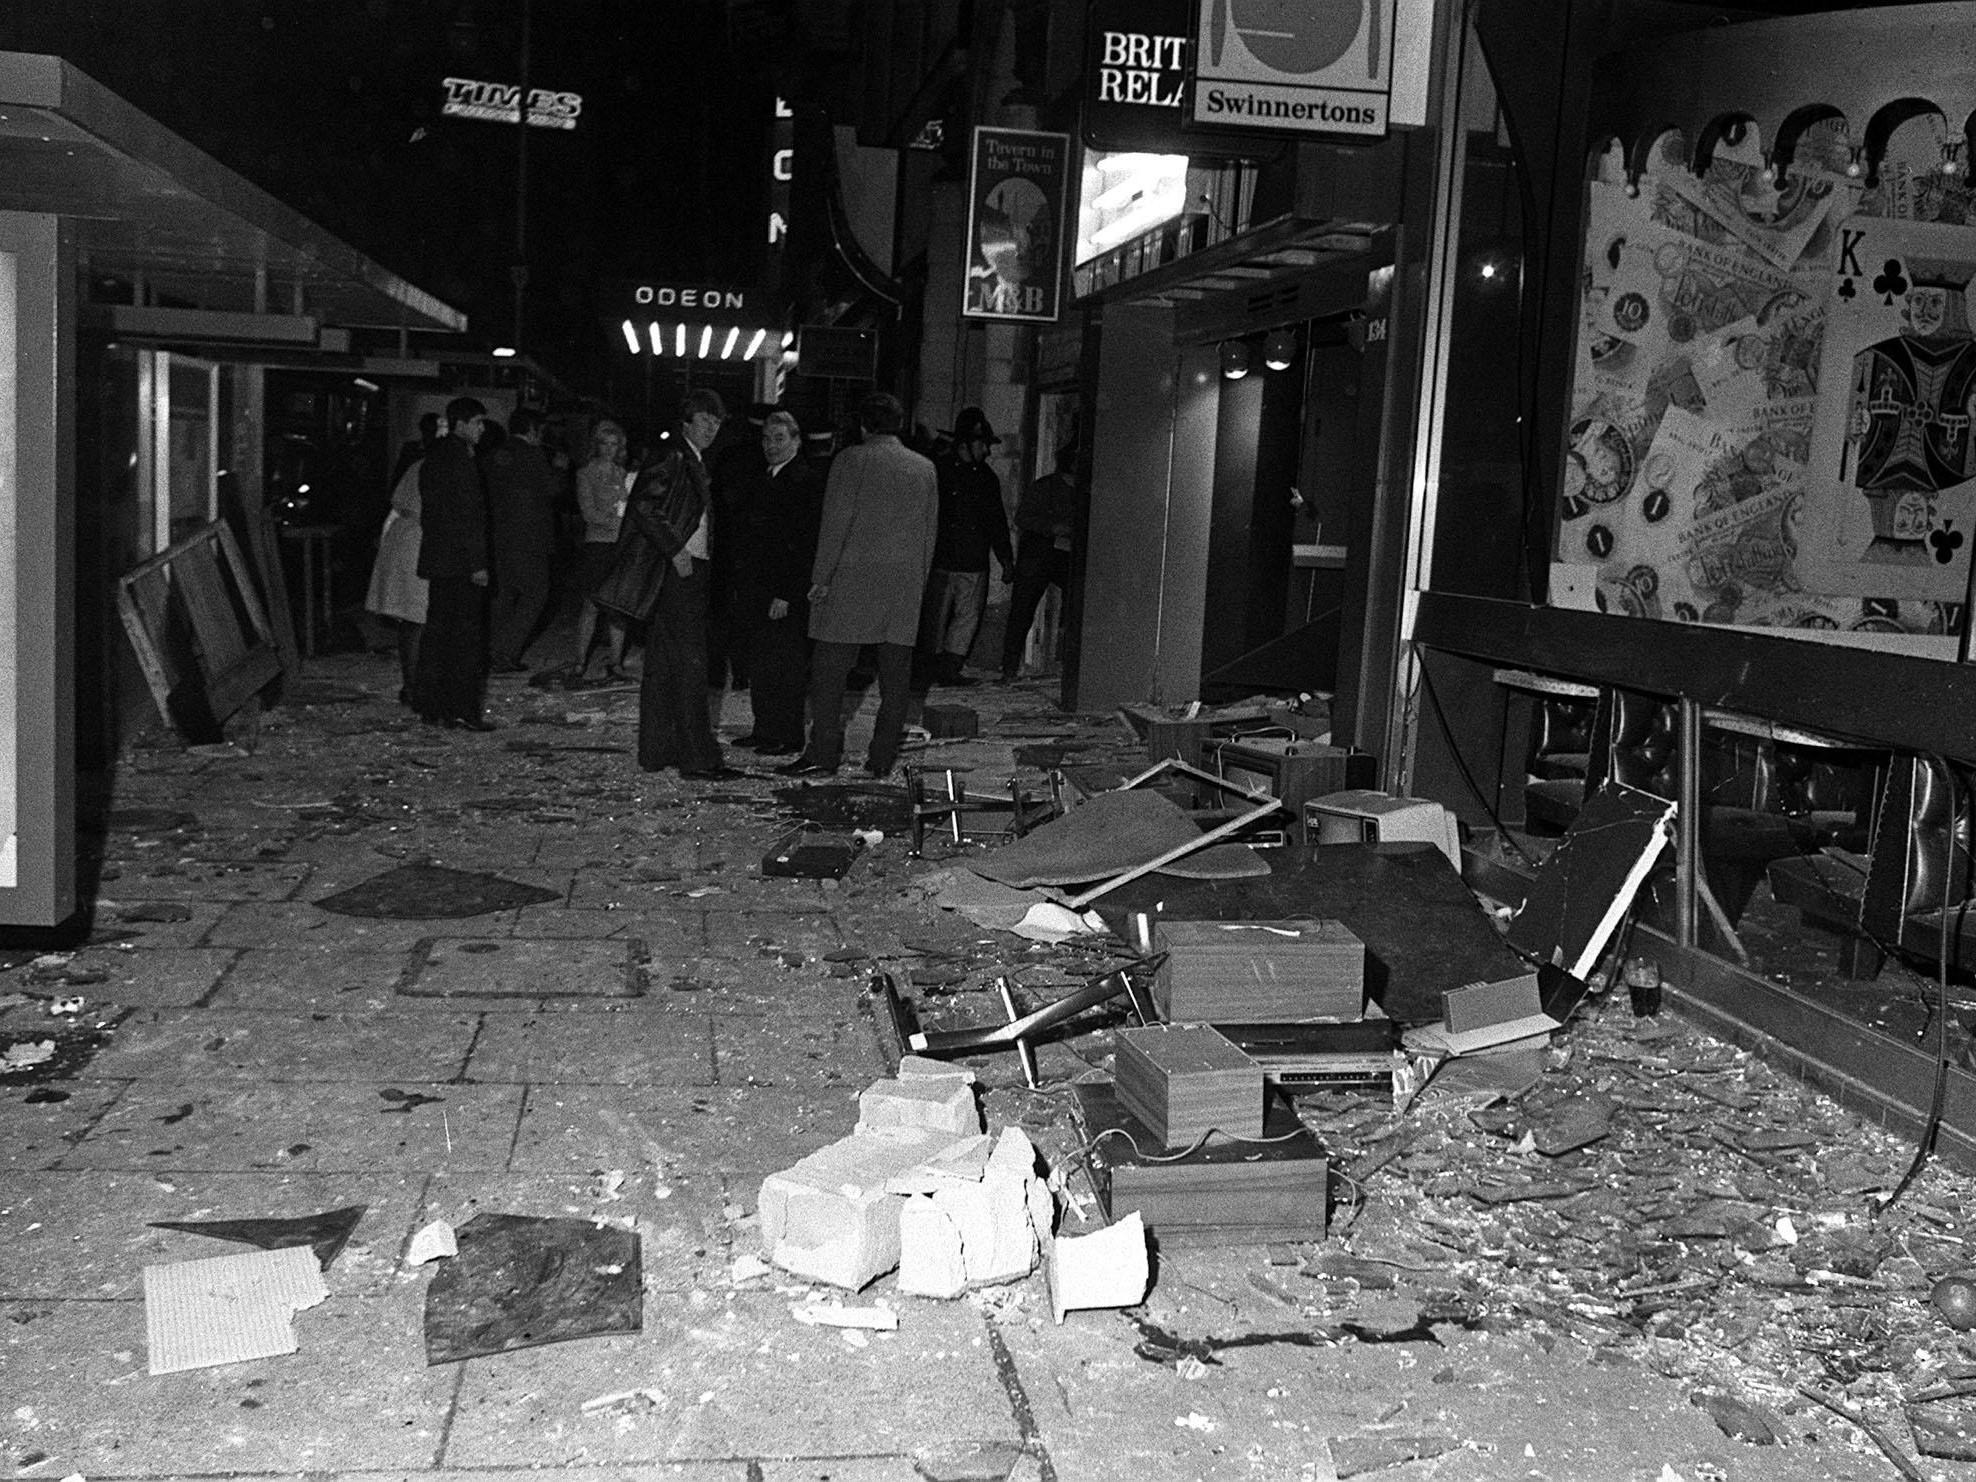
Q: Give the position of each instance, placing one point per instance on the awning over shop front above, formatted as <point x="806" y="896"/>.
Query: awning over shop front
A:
<point x="150" y="208"/>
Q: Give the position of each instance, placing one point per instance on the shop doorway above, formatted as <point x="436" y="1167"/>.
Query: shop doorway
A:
<point x="1286" y="477"/>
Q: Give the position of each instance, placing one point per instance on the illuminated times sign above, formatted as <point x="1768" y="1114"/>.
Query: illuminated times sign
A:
<point x="500" y="102"/>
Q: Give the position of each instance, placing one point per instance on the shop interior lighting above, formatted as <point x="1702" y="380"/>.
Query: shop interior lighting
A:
<point x="706" y="340"/>
<point x="630" y="336"/>
<point x="727" y="345"/>
<point x="679" y="341"/>
<point x="504" y="352"/>
<point x="1279" y="349"/>
<point x="657" y="336"/>
<point x="1234" y="359"/>
<point x="754" y="344"/>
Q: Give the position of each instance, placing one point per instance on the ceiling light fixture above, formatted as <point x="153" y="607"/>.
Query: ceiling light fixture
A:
<point x="1279" y="349"/>
<point x="1234" y="359"/>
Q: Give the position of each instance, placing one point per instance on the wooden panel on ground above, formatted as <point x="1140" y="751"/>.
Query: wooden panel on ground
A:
<point x="1234" y="972"/>
<point x="199" y="630"/>
<point x="1229" y="1193"/>
<point x="1185" y="1081"/>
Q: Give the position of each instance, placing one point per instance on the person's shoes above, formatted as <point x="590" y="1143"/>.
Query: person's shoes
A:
<point x="1009" y="676"/>
<point x="960" y="680"/>
<point x="477" y="723"/>
<point x="615" y="674"/>
<point x="511" y="666"/>
<point x="771" y="749"/>
<point x="404" y="697"/>
<point x="749" y="742"/>
<point x="876" y="772"/>
<point x="804" y="767"/>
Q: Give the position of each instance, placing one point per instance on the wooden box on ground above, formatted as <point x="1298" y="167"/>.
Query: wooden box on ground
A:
<point x="1184" y="1081"/>
<point x="1226" y="1193"/>
<point x="1263" y="972"/>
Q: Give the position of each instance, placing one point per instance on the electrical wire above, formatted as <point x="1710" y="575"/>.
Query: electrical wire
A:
<point x="1192" y="1148"/>
<point x="1932" y="1129"/>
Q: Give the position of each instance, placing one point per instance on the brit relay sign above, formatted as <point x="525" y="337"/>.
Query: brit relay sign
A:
<point x="1017" y="191"/>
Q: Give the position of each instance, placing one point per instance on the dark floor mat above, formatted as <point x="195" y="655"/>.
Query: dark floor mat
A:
<point x="520" y="1282"/>
<point x="327" y="1232"/>
<point x="426" y="892"/>
<point x="841" y="805"/>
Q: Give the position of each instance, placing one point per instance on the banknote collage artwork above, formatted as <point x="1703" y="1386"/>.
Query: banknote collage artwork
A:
<point x="1774" y="388"/>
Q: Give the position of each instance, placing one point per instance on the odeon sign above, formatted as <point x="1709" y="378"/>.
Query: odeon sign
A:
<point x="673" y="296"/>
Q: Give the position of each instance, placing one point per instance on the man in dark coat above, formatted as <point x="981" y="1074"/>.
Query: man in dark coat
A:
<point x="670" y="506"/>
<point x="451" y="678"/>
<point x="783" y="502"/>
<point x="521" y="508"/>
<point x="972" y="524"/>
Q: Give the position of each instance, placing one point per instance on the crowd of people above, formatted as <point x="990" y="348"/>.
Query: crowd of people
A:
<point x="727" y="558"/>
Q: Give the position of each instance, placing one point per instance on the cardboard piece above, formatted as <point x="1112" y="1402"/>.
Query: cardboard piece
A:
<point x="228" y="1309"/>
<point x="1583" y="889"/>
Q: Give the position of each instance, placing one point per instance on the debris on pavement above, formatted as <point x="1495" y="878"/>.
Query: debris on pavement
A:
<point x="228" y="1309"/>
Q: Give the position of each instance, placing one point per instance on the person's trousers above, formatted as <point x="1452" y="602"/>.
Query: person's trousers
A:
<point x="675" y="726"/>
<point x="950" y="615"/>
<point x="1039" y="565"/>
<point x="516" y="609"/>
<point x="830" y="664"/>
<point x="450" y="682"/>
<point x="780" y="679"/>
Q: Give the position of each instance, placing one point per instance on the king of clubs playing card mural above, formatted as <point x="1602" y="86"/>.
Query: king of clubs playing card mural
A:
<point x="1771" y="416"/>
<point x="1892" y="482"/>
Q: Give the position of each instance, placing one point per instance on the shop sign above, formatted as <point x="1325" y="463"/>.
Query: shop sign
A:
<point x="1293" y="66"/>
<point x="499" y="102"/>
<point x="1134" y="92"/>
<point x="1018" y="190"/>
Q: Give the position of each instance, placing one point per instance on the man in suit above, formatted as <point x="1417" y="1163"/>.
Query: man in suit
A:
<point x="521" y="506"/>
<point x="670" y="505"/>
<point x="881" y="511"/>
<point x="783" y="500"/>
<point x="451" y="678"/>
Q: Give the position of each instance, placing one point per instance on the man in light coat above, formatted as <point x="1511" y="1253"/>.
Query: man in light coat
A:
<point x="881" y="514"/>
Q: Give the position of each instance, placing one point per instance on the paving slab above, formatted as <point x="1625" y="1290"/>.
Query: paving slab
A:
<point x="158" y="977"/>
<point x="129" y="918"/>
<point x="299" y="980"/>
<point x="301" y="925"/>
<point x="86" y="1236"/>
<point x="40" y="1122"/>
<point x="670" y="1048"/>
<point x="739" y="1377"/>
<point x="187" y="1044"/>
<point x="240" y="880"/>
<point x="357" y="1396"/>
<point x="744" y="1133"/>
<point x="756" y="1050"/>
<point x="517" y="969"/>
<point x="336" y="1128"/>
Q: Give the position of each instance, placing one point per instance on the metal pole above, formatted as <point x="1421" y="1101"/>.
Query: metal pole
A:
<point x="1437" y="316"/>
<point x="1688" y="821"/>
<point x="519" y="271"/>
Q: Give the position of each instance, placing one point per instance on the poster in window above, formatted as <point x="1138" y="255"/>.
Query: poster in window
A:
<point x="1758" y="437"/>
<point x="1018" y="187"/>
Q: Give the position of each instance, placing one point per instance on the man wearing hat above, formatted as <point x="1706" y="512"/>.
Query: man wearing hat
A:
<point x="972" y="523"/>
